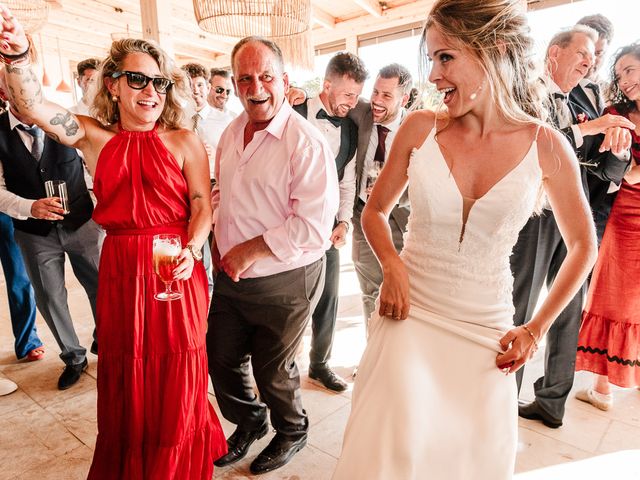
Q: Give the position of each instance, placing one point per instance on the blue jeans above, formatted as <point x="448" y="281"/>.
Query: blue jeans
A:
<point x="22" y="305"/>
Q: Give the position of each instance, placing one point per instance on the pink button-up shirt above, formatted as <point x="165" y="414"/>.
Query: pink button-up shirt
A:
<point x="283" y="186"/>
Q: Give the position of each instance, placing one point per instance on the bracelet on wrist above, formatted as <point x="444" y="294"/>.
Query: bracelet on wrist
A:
<point x="8" y="59"/>
<point x="533" y="337"/>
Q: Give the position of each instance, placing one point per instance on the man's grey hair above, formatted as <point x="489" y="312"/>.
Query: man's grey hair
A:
<point x="395" y="70"/>
<point x="264" y="41"/>
<point x="564" y="37"/>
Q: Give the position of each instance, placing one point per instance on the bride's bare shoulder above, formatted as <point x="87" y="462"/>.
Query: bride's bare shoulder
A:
<point x="417" y="126"/>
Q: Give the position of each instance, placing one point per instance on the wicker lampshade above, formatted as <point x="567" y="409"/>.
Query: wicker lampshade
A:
<point x="241" y="18"/>
<point x="286" y="22"/>
<point x="32" y="14"/>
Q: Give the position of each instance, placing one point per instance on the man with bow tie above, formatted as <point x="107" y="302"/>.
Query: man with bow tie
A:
<point x="343" y="82"/>
<point x="601" y="144"/>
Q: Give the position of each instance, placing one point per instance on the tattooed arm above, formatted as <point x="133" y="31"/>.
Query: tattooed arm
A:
<point x="25" y="91"/>
<point x="190" y="154"/>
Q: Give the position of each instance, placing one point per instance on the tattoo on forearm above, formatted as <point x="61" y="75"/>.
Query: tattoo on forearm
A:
<point x="67" y="121"/>
<point x="15" y="69"/>
<point x="27" y="96"/>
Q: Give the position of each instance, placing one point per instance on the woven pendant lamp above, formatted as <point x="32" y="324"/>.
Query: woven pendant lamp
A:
<point x="32" y="14"/>
<point x="287" y="22"/>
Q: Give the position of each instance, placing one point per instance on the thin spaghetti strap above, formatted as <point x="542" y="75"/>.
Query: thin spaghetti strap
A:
<point x="535" y="137"/>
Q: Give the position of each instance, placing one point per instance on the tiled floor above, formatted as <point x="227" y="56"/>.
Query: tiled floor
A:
<point x="48" y="434"/>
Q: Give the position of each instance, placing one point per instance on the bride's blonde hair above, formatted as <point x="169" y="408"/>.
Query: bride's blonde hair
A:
<point x="496" y="33"/>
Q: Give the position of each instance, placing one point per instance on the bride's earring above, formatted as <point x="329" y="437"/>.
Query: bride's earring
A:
<point x="114" y="99"/>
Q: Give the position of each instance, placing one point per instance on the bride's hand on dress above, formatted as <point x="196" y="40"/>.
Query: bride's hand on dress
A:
<point x="185" y="265"/>
<point x="519" y="345"/>
<point x="394" y="291"/>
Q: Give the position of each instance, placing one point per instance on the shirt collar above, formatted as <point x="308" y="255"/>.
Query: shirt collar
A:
<point x="395" y="123"/>
<point x="204" y="113"/>
<point x="14" y="122"/>
<point x="552" y="86"/>
<point x="313" y="107"/>
<point x="276" y="125"/>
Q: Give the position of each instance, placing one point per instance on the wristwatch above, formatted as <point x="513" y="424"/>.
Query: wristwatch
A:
<point x="196" y="253"/>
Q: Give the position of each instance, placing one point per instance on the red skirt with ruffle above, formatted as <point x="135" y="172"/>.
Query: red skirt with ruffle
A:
<point x="609" y="341"/>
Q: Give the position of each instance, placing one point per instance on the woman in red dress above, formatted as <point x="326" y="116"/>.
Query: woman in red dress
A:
<point x="151" y="176"/>
<point x="609" y="341"/>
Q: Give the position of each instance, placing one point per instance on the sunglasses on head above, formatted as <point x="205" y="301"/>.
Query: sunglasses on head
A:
<point x="139" y="81"/>
<point x="219" y="90"/>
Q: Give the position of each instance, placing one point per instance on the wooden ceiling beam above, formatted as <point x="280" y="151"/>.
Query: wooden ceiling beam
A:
<point x="322" y="18"/>
<point x="371" y="6"/>
<point x="391" y="18"/>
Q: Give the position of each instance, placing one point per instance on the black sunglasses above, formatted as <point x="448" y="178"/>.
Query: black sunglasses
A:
<point x="219" y="90"/>
<point x="139" y="81"/>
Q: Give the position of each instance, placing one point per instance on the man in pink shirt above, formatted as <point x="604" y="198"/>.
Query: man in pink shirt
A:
<point x="274" y="207"/>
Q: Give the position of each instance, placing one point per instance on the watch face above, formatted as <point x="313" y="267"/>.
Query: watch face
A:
<point x="196" y="253"/>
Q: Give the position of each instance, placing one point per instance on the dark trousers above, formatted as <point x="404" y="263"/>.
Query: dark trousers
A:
<point x="44" y="258"/>
<point x="262" y="321"/>
<point x="323" y="320"/>
<point x="536" y="258"/>
<point x="22" y="305"/>
<point x="366" y="263"/>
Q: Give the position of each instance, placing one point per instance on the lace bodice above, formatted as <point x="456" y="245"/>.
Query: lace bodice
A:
<point x="467" y="261"/>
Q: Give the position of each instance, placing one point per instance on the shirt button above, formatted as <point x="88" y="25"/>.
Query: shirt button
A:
<point x="43" y="170"/>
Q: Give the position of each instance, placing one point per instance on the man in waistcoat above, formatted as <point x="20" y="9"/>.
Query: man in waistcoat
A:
<point x="343" y="82"/>
<point x="44" y="232"/>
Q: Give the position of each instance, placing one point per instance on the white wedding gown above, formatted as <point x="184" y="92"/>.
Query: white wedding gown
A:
<point x="429" y="402"/>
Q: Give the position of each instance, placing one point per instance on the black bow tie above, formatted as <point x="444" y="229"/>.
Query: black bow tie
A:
<point x="560" y="96"/>
<point x="322" y="114"/>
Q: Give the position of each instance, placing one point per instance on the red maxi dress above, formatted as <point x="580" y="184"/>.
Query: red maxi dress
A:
<point x="155" y="421"/>
<point x="609" y="340"/>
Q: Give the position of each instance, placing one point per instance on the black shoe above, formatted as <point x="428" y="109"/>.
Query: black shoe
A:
<point x="279" y="452"/>
<point x="94" y="347"/>
<point x="533" y="411"/>
<point x="328" y="379"/>
<point x="238" y="445"/>
<point x="71" y="374"/>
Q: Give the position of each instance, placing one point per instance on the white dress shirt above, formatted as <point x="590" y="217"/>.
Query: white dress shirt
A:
<point x="283" y="185"/>
<point x="393" y="127"/>
<point x="347" y="185"/>
<point x="10" y="203"/>
<point x="211" y="124"/>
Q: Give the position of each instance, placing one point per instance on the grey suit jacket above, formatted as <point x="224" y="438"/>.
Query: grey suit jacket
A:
<point x="363" y="118"/>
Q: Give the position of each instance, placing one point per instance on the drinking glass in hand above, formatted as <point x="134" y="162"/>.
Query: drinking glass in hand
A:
<point x="372" y="176"/>
<point x="58" y="188"/>
<point x="166" y="250"/>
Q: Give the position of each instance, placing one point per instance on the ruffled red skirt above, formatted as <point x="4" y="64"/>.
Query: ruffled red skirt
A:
<point x="609" y="341"/>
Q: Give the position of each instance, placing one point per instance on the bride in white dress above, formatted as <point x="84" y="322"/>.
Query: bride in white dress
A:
<point x="433" y="398"/>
